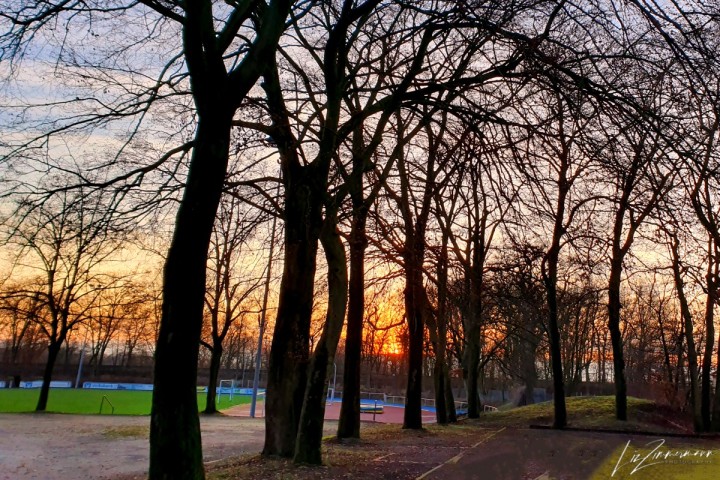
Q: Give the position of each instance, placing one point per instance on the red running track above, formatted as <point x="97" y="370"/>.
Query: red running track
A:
<point x="332" y="412"/>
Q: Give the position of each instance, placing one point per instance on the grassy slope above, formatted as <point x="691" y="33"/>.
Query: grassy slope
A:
<point x="88" y="401"/>
<point x="584" y="412"/>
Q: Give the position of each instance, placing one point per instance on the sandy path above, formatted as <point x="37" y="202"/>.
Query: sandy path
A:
<point x="70" y="447"/>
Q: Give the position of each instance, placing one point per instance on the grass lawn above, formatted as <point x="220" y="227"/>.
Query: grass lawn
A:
<point x="68" y="400"/>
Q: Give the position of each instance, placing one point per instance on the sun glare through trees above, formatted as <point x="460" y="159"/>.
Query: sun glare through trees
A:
<point x="449" y="202"/>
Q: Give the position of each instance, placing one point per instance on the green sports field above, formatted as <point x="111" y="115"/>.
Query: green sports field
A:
<point x="126" y="402"/>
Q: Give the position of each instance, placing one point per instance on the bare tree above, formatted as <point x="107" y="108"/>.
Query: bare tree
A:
<point x="231" y="282"/>
<point x="634" y="158"/>
<point x="17" y="323"/>
<point x="686" y="313"/>
<point x="555" y="149"/>
<point x="480" y="200"/>
<point x="62" y="244"/>
<point x="112" y="307"/>
<point x="139" y="325"/>
<point x="518" y="295"/>
<point x="702" y="186"/>
<point x="224" y="47"/>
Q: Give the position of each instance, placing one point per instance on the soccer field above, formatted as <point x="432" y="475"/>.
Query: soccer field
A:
<point x="68" y="400"/>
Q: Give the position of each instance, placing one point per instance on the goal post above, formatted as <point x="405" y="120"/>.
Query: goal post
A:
<point x="227" y="387"/>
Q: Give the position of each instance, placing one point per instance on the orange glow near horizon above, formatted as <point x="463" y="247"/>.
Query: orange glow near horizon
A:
<point x="385" y="322"/>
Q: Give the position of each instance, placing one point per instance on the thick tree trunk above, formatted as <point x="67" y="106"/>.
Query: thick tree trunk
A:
<point x="449" y="398"/>
<point x="440" y="380"/>
<point x="53" y="351"/>
<point x="710" y="302"/>
<point x="215" y="357"/>
<point x="560" y="420"/>
<point x="715" y="424"/>
<point x="416" y="326"/>
<point x="349" y="424"/>
<point x="310" y="429"/>
<point x="616" y="339"/>
<point x="308" y="446"/>
<point x="471" y="367"/>
<point x="550" y="274"/>
<point x="473" y="321"/>
<point x="175" y="444"/>
<point x="438" y="335"/>
<point x="289" y="352"/>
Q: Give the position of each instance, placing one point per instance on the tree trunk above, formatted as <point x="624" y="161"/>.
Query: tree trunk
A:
<point x="416" y="332"/>
<point x="129" y="357"/>
<point x="529" y="370"/>
<point x="349" y="423"/>
<point x="289" y="352"/>
<point x="550" y="266"/>
<point x="444" y="402"/>
<point x="616" y="338"/>
<point x="560" y="420"/>
<point x="53" y="351"/>
<point x="308" y="446"/>
<point x="715" y="424"/>
<point x="175" y="444"/>
<point x="474" y="318"/>
<point x="471" y="366"/>
<point x="449" y="397"/>
<point x="438" y="332"/>
<point x="666" y="349"/>
<point x="711" y="287"/>
<point x="440" y="380"/>
<point x="215" y="357"/>
<point x="550" y="274"/>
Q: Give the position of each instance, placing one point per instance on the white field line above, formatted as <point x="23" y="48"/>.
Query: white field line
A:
<point x="457" y="457"/>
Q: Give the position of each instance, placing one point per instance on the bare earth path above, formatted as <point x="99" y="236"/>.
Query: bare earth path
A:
<point x="71" y="447"/>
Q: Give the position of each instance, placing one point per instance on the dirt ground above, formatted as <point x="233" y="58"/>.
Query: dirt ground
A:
<point x="71" y="447"/>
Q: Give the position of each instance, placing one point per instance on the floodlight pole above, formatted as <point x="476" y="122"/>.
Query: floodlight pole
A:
<point x="80" y="363"/>
<point x="258" y="356"/>
<point x="80" y="367"/>
<point x="334" y="382"/>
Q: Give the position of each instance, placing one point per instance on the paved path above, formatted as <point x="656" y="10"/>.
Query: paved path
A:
<point x="527" y="454"/>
